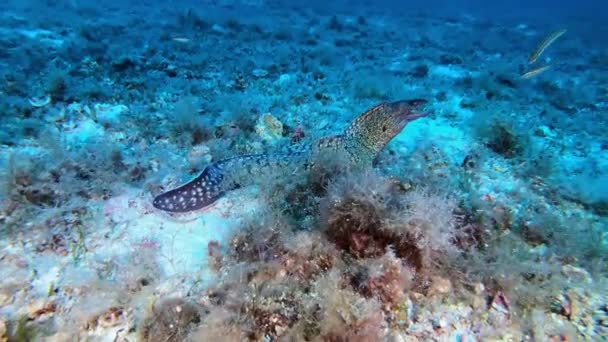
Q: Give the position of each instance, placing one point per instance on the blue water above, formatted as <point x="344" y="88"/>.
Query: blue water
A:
<point x="485" y="218"/>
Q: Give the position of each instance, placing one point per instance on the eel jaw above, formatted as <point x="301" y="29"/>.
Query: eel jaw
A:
<point x="409" y="110"/>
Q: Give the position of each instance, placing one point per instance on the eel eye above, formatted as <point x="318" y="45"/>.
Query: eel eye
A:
<point x="384" y="128"/>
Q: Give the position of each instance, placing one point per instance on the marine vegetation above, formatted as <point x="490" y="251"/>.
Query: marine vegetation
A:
<point x="331" y="171"/>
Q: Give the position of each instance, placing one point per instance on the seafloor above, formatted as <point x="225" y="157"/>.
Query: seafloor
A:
<point x="485" y="220"/>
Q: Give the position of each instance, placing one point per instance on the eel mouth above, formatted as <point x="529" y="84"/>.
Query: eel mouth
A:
<point x="410" y="110"/>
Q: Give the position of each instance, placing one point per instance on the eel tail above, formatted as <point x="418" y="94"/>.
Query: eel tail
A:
<point x="194" y="195"/>
<point x="226" y="175"/>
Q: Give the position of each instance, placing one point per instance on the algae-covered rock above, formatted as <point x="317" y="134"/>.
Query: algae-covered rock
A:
<point x="3" y="337"/>
<point x="269" y="127"/>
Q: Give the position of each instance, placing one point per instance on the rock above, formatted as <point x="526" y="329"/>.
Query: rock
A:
<point x="439" y="285"/>
<point x="40" y="309"/>
<point x="284" y="78"/>
<point x="40" y="101"/>
<point x="269" y="127"/>
<point x="544" y="131"/>
<point x="5" y="297"/>
<point x="447" y="59"/>
<point x="395" y="336"/>
<point x="260" y="73"/>
<point x="110" y="318"/>
<point x="218" y="29"/>
<point x="576" y="273"/>
<point x="199" y="155"/>
<point x="440" y="322"/>
<point x="3" y="337"/>
<point x="479" y="288"/>
<point x="59" y="336"/>
<point x="108" y="114"/>
<point x="323" y="124"/>
<point x="500" y="303"/>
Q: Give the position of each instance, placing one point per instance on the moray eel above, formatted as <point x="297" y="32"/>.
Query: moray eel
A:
<point x="361" y="142"/>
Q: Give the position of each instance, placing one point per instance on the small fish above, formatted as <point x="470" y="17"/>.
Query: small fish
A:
<point x="545" y="44"/>
<point x="535" y="72"/>
<point x="181" y="40"/>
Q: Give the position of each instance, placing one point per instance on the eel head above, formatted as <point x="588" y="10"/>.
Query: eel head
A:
<point x="376" y="127"/>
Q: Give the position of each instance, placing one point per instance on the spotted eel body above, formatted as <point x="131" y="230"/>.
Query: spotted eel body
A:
<point x="361" y="142"/>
